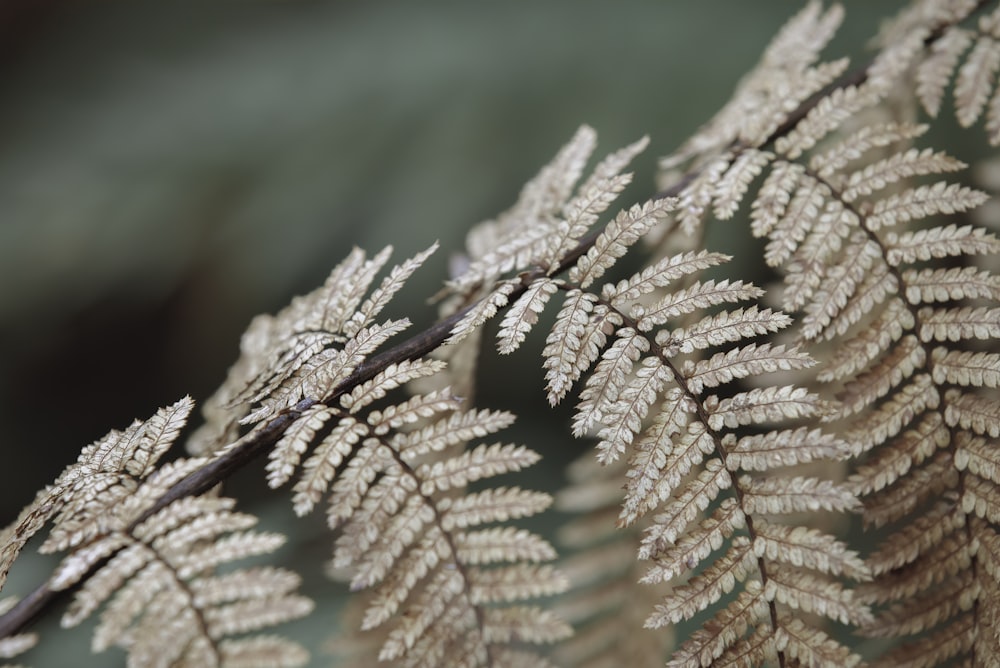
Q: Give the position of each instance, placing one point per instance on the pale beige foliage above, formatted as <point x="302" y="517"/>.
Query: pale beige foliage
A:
<point x="720" y="424"/>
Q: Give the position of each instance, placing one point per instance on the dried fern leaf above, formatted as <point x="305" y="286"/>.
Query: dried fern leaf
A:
<point x="803" y="547"/>
<point x="774" y="197"/>
<point x="750" y="360"/>
<point x="706" y="588"/>
<point x="810" y="593"/>
<point x="617" y="237"/>
<point x="319" y="375"/>
<point x="937" y="648"/>
<point x="762" y="452"/>
<point x="935" y="72"/>
<point x="857" y="291"/>
<point x="810" y="646"/>
<point x="761" y="406"/>
<point x="608" y="378"/>
<point x="939" y="242"/>
<point x="593" y="197"/>
<point x="623" y="418"/>
<point x="398" y="497"/>
<point x="686" y="506"/>
<point x="733" y="185"/>
<point x="705" y="645"/>
<point x="455" y="429"/>
<point x="516" y="238"/>
<point x="725" y="327"/>
<point x="788" y="231"/>
<point x="696" y="545"/>
<point x="380" y="297"/>
<point x="657" y="449"/>
<point x="896" y="168"/>
<point x="942" y="285"/>
<point x="952" y="555"/>
<point x="978" y="414"/>
<point x="829" y="163"/>
<point x="343" y="290"/>
<point x="604" y="605"/>
<point x="484" y="461"/>
<point x="288" y="452"/>
<point x="929" y="481"/>
<point x="822" y="119"/>
<point x="492" y="505"/>
<point x="393" y="376"/>
<point x="482" y="311"/>
<point x="922" y="613"/>
<point x="957" y="324"/>
<point x="922" y="202"/>
<point x="696" y="198"/>
<point x="982" y="499"/>
<point x="321" y="467"/>
<point x="895" y="413"/>
<point x="757" y="649"/>
<point x="564" y="342"/>
<point x="976" y="455"/>
<point x="701" y="295"/>
<point x="778" y="496"/>
<point x="807" y="270"/>
<point x="660" y="275"/>
<point x="909" y="449"/>
<point x="166" y="568"/>
<point x="966" y="368"/>
<point x="916" y="538"/>
<point x="856" y="353"/>
<point x="974" y="82"/>
<point x="885" y="375"/>
<point x="523" y="314"/>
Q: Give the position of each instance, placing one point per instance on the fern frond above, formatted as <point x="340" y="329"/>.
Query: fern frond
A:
<point x="396" y="490"/>
<point x="147" y="564"/>
<point x="83" y="502"/>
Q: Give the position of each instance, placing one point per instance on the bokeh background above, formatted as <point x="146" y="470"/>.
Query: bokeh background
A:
<point x="170" y="169"/>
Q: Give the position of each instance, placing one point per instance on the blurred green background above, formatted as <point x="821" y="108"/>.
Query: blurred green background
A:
<point x="170" y="169"/>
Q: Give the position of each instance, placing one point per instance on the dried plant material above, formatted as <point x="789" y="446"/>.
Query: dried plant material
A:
<point x="730" y="438"/>
<point x="396" y="481"/>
